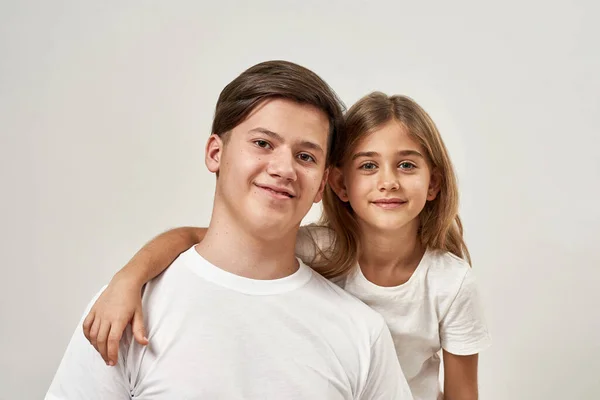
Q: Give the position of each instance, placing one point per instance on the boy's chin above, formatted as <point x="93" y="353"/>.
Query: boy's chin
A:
<point x="271" y="230"/>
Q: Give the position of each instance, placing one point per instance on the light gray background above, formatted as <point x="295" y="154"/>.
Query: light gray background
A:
<point x="105" y="108"/>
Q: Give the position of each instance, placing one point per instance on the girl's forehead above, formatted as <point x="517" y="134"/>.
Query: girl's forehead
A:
<point x="392" y="136"/>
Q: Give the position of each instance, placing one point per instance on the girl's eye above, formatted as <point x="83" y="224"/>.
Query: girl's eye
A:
<point x="407" y="165"/>
<point x="369" y="166"/>
<point x="262" y="143"/>
<point x="306" y="157"/>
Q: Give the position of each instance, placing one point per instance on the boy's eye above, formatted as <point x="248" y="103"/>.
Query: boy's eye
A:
<point x="262" y="143"/>
<point x="368" y="166"/>
<point x="406" y="165"/>
<point x="306" y="157"/>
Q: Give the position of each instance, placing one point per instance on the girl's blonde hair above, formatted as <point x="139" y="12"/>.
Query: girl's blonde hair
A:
<point x="440" y="224"/>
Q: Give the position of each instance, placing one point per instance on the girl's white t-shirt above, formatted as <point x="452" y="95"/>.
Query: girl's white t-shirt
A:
<point x="438" y="308"/>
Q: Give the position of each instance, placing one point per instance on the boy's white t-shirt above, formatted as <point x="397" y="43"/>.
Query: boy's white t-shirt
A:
<point x="216" y="335"/>
<point x="437" y="308"/>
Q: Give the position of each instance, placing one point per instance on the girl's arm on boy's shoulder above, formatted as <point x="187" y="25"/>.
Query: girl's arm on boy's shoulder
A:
<point x="460" y="377"/>
<point x="121" y="302"/>
<point x="160" y="252"/>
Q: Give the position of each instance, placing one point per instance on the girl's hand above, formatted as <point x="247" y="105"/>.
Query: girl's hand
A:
<point x="119" y="305"/>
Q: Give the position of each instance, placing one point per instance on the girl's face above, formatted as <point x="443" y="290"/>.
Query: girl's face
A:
<point x="387" y="179"/>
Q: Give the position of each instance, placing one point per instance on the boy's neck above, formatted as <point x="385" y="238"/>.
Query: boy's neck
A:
<point x="236" y="249"/>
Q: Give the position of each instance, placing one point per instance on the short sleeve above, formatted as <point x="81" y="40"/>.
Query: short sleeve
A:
<point x="463" y="329"/>
<point x="314" y="243"/>
<point x="82" y="374"/>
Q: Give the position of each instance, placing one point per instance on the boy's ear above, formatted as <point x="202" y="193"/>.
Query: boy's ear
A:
<point x="435" y="183"/>
<point x="213" y="153"/>
<point x="319" y="195"/>
<point x="336" y="181"/>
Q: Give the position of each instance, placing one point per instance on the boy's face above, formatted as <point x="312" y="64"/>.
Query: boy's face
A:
<point x="271" y="166"/>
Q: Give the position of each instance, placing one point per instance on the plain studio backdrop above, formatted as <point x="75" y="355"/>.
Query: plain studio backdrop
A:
<point x="105" y="108"/>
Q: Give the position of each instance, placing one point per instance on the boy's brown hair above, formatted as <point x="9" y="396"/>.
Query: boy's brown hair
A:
<point x="276" y="79"/>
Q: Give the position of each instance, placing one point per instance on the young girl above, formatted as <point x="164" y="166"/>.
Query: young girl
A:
<point x="390" y="235"/>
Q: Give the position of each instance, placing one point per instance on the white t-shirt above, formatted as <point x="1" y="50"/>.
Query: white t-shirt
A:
<point x="437" y="308"/>
<point x="215" y="335"/>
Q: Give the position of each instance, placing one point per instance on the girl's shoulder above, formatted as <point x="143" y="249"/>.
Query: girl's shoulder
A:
<point x="446" y="273"/>
<point x="444" y="263"/>
<point x="453" y="289"/>
<point x="313" y="241"/>
<point x="322" y="236"/>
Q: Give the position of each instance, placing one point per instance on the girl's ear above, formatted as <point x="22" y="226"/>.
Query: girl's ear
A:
<point x="336" y="181"/>
<point x="434" y="185"/>
<point x="213" y="152"/>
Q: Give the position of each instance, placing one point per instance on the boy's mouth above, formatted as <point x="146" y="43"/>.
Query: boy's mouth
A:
<point x="277" y="191"/>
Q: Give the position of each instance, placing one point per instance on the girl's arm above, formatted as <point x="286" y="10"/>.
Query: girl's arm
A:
<point x="463" y="334"/>
<point x="460" y="377"/>
<point x="121" y="302"/>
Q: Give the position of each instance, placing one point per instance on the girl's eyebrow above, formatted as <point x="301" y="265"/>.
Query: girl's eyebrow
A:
<point x="365" y="154"/>
<point x="372" y="154"/>
<point x="410" y="153"/>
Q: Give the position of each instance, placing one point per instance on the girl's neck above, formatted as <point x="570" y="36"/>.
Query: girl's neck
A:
<point x="388" y="258"/>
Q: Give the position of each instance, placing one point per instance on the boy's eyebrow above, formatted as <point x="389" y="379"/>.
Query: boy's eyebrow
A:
<point x="279" y="138"/>
<point x="371" y="154"/>
<point x="267" y="132"/>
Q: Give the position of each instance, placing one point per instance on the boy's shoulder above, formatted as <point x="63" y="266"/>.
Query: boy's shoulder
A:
<point x="347" y="304"/>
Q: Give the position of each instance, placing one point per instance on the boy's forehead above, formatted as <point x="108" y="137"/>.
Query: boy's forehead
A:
<point x="289" y="121"/>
